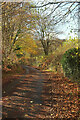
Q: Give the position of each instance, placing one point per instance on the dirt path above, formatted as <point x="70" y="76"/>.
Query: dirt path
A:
<point x="24" y="98"/>
<point x="36" y="96"/>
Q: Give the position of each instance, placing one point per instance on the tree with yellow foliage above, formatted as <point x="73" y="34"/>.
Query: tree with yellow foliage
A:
<point x="17" y="21"/>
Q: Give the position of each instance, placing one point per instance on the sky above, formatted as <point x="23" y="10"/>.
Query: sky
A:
<point x="66" y="28"/>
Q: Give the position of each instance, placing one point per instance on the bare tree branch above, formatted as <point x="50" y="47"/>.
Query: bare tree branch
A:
<point x="49" y="3"/>
<point x="54" y="10"/>
<point x="66" y="14"/>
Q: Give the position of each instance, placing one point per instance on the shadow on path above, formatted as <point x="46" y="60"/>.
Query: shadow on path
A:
<point x="26" y="99"/>
<point x="35" y="96"/>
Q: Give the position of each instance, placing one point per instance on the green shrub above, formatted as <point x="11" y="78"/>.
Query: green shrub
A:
<point x="19" y="55"/>
<point x="9" y="66"/>
<point x="71" y="63"/>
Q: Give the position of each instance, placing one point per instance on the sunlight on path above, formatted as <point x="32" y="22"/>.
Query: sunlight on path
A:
<point x="38" y="96"/>
<point x="26" y="100"/>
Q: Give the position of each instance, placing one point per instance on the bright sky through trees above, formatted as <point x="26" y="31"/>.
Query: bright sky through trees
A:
<point x="67" y="26"/>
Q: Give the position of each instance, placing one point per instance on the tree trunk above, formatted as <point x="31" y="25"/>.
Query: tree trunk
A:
<point x="45" y="45"/>
<point x="46" y="51"/>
